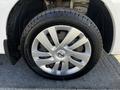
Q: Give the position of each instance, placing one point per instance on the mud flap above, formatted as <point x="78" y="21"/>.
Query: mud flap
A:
<point x="11" y="54"/>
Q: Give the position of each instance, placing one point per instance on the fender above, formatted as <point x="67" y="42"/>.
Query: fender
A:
<point x="5" y="8"/>
<point x="113" y="7"/>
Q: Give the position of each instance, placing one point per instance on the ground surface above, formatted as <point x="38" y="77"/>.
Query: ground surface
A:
<point x="105" y="75"/>
<point x="117" y="57"/>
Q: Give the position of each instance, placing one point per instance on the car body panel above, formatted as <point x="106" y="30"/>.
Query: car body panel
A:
<point x="112" y="5"/>
<point x="5" y="8"/>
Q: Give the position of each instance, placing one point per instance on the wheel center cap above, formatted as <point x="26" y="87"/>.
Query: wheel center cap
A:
<point x="61" y="53"/>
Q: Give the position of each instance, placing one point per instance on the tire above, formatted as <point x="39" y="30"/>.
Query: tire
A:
<point x="60" y="17"/>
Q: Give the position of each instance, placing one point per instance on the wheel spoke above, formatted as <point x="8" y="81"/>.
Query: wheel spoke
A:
<point x="76" y="63"/>
<point x="65" y="67"/>
<point x="40" y="54"/>
<point x="79" y="43"/>
<point x="73" y="33"/>
<point x="80" y="55"/>
<point x="54" y="36"/>
<point x="44" y="41"/>
<point x="42" y="62"/>
<point x="55" y="67"/>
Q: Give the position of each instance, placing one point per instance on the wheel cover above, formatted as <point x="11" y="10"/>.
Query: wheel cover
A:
<point x="61" y="50"/>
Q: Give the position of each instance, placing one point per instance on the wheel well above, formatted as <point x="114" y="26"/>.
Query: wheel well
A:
<point x="25" y="10"/>
<point x="100" y="15"/>
<point x="20" y="15"/>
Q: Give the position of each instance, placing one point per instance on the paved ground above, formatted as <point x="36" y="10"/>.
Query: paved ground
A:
<point x="105" y="75"/>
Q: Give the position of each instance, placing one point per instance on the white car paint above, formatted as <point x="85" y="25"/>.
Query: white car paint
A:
<point x="5" y="8"/>
<point x="112" y="5"/>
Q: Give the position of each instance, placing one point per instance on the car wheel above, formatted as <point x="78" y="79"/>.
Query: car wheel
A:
<point x="61" y="44"/>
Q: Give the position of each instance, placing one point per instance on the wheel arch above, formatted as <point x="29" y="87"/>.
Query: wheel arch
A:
<point x="104" y="22"/>
<point x="14" y="30"/>
<point x="17" y="55"/>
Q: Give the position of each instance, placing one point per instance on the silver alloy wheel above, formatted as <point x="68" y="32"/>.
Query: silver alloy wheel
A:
<point x="61" y="50"/>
